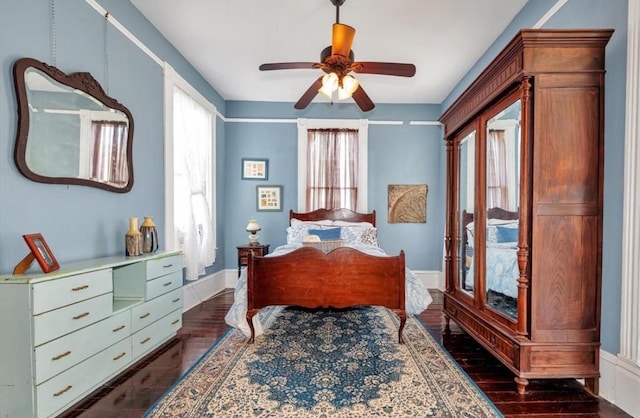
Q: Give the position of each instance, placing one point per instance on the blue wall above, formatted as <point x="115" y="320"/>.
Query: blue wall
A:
<point x="398" y="154"/>
<point x="81" y="222"/>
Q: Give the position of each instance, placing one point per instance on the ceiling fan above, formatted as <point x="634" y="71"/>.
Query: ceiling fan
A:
<point x="337" y="61"/>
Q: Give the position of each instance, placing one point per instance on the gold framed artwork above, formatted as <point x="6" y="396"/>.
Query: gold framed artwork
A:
<point x="407" y="203"/>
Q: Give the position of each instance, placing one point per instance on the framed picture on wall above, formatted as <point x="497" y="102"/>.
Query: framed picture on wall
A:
<point x="255" y="169"/>
<point x="269" y="198"/>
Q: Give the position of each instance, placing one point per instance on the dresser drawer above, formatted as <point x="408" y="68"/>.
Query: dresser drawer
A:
<point x="156" y="333"/>
<point x="151" y="311"/>
<point x="65" y="388"/>
<point x="54" y="324"/>
<point x="164" y="284"/>
<point x="65" y="291"/>
<point x="58" y="355"/>
<point x="162" y="266"/>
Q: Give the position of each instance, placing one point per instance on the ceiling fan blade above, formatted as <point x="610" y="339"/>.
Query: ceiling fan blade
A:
<point x="309" y="94"/>
<point x="384" y="68"/>
<point x="362" y="99"/>
<point x="288" y="66"/>
<point x="342" y="39"/>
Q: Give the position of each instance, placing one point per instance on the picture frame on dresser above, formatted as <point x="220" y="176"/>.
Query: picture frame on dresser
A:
<point x="40" y="251"/>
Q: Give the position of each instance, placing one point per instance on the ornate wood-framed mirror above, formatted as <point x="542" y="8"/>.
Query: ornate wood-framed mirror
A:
<point x="69" y="130"/>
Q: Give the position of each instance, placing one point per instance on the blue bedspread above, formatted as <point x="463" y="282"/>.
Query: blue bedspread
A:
<point x="417" y="295"/>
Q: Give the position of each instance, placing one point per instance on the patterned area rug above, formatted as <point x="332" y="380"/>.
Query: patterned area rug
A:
<point x="326" y="363"/>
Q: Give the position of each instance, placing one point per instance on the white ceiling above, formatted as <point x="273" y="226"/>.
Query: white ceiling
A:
<point x="226" y="41"/>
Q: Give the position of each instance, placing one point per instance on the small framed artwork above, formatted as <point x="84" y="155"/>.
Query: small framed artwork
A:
<point x="269" y="198"/>
<point x="255" y="169"/>
<point x="41" y="251"/>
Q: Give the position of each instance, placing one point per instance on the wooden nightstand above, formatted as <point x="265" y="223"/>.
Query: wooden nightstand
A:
<point x="243" y="253"/>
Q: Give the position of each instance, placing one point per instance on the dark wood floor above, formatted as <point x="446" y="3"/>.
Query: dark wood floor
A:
<point x="130" y="395"/>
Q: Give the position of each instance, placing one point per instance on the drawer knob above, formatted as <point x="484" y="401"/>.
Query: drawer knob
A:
<point x="119" y="356"/>
<point x="167" y="266"/>
<point x="82" y="315"/>
<point x="59" y="356"/>
<point x="146" y="340"/>
<point x="167" y="284"/>
<point x="75" y="289"/>
<point x="145" y="315"/>
<point x="121" y="327"/>
<point x="175" y="300"/>
<point x="67" y="389"/>
<point x="175" y="322"/>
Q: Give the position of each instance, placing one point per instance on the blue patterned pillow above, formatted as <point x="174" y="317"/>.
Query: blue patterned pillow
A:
<point x="326" y="234"/>
<point x="506" y="234"/>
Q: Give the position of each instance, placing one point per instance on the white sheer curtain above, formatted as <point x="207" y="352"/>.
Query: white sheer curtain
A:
<point x="497" y="187"/>
<point x="109" y="152"/>
<point x="192" y="135"/>
<point x="332" y="169"/>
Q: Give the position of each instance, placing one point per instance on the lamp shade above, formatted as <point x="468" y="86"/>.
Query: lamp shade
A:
<point x="330" y="83"/>
<point x="253" y="226"/>
<point x="348" y="85"/>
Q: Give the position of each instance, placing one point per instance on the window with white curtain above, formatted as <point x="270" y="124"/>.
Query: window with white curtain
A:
<point x="189" y="174"/>
<point x="332" y="169"/>
<point x="340" y="186"/>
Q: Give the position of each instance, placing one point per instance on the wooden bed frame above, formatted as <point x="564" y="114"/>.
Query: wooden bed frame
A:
<point x="342" y="278"/>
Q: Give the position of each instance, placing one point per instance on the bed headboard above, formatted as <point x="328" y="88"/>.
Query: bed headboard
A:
<point x="492" y="213"/>
<point x="334" y="214"/>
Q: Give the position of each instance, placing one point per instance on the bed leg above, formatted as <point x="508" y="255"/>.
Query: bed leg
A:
<point x="250" y="314"/>
<point x="403" y="320"/>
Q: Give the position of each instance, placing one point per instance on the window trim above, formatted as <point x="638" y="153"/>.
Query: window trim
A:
<point x="362" y="125"/>
<point x="173" y="79"/>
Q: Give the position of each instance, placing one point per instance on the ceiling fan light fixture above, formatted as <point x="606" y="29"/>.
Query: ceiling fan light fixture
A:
<point x="330" y="83"/>
<point x="343" y="93"/>
<point x="347" y="86"/>
<point x="350" y="83"/>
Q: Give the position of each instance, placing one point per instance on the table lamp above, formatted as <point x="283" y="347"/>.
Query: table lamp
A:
<point x="253" y="228"/>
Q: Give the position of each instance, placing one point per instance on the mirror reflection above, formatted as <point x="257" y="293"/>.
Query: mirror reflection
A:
<point x="466" y="185"/>
<point x="502" y="202"/>
<point x="70" y="131"/>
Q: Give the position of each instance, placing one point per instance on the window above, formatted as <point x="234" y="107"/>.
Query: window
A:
<point x="189" y="174"/>
<point x="332" y="169"/>
<point x="103" y="148"/>
<point x="497" y="187"/>
<point x="327" y="176"/>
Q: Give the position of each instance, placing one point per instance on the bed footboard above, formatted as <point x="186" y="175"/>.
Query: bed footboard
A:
<point x="342" y="278"/>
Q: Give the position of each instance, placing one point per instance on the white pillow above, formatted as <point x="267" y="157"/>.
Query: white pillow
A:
<point x="502" y="222"/>
<point x="346" y="223"/>
<point x="323" y="222"/>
